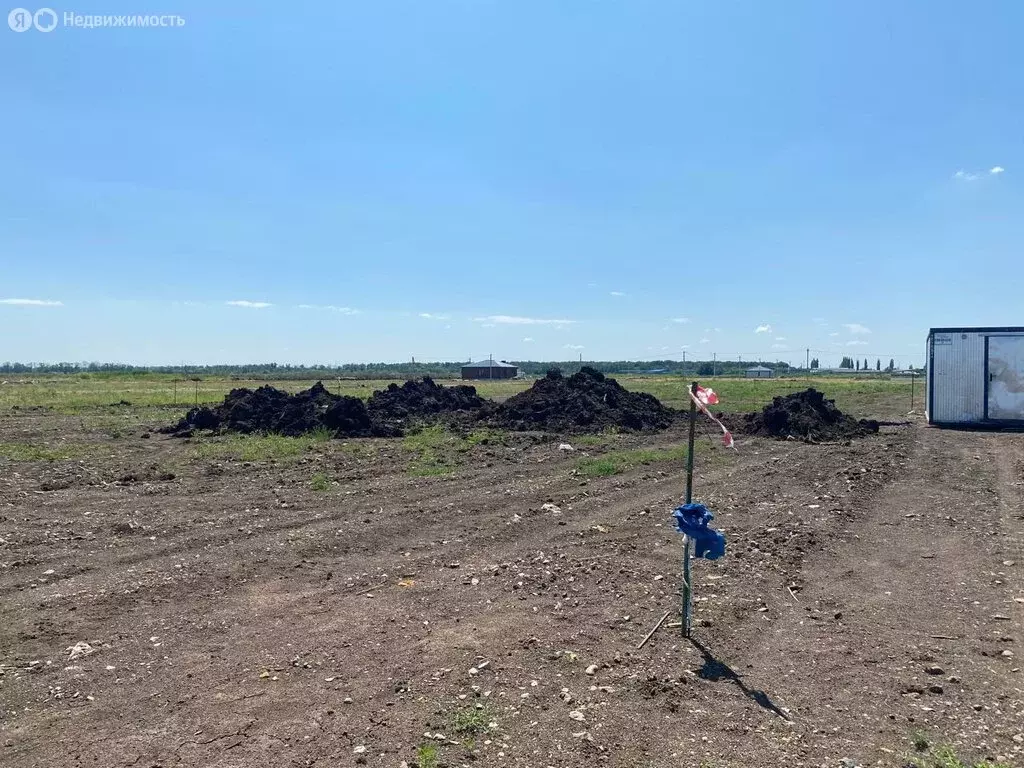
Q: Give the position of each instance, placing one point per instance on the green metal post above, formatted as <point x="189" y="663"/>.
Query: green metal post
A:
<point x="687" y="588"/>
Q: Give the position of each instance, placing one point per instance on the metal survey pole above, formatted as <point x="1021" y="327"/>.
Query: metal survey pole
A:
<point x="687" y="589"/>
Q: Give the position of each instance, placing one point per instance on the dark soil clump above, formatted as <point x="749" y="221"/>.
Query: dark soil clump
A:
<point x="269" y="409"/>
<point x="421" y="400"/>
<point x="387" y="412"/>
<point x="806" y="415"/>
<point x="587" y="401"/>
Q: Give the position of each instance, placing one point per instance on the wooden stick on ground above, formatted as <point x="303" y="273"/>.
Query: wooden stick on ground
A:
<point x="651" y="633"/>
<point x="371" y="589"/>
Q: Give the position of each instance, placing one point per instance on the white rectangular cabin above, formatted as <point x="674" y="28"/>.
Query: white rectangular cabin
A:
<point x="975" y="376"/>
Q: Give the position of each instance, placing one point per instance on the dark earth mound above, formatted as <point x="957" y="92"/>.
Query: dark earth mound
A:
<point x="420" y="400"/>
<point x="269" y="409"/>
<point x="806" y="415"/>
<point x="587" y="401"/>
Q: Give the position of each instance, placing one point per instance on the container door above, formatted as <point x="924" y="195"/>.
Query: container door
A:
<point x="1005" y="396"/>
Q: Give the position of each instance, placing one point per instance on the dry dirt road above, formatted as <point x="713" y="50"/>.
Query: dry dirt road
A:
<point x="238" y="618"/>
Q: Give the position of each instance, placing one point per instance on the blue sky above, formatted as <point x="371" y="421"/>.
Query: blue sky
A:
<point x="536" y="180"/>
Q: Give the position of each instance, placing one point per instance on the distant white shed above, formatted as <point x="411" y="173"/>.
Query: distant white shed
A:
<point x="759" y="372"/>
<point x="975" y="376"/>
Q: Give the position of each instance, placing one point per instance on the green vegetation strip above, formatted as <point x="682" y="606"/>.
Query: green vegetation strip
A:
<point x="616" y="462"/>
<point x="946" y="757"/>
<point x="74" y="393"/>
<point x="29" y="452"/>
<point x="259" y="447"/>
<point x="439" y="451"/>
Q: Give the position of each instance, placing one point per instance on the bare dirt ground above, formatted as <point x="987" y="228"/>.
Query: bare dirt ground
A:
<point x="240" y="618"/>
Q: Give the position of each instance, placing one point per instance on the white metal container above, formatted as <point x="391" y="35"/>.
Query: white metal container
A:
<point x="976" y="376"/>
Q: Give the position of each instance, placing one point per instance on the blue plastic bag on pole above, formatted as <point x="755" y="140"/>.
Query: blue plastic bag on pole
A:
<point x="693" y="519"/>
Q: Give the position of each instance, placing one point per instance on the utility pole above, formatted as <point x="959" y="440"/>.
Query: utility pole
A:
<point x="808" y="359"/>
<point x="684" y="361"/>
<point x="714" y="363"/>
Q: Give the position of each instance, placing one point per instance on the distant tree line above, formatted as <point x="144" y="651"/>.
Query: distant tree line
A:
<point x="393" y="370"/>
<point x="440" y="370"/>
<point x="849" y="362"/>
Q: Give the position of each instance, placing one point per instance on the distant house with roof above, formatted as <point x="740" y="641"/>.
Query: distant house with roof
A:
<point x="489" y="369"/>
<point x="759" y="372"/>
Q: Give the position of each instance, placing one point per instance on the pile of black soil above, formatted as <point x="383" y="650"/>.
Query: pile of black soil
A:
<point x="806" y="415"/>
<point x="587" y="401"/>
<point x="421" y="400"/>
<point x="269" y="409"/>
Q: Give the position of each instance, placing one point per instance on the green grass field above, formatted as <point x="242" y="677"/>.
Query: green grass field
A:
<point x="77" y="393"/>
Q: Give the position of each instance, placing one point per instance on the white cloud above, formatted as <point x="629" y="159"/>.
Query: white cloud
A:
<point x="856" y="343"/>
<point x="32" y="302"/>
<point x="514" y="320"/>
<point x="680" y="319"/>
<point x="856" y="328"/>
<point x="780" y="338"/>
<point x="834" y="333"/>
<point x="763" y="329"/>
<point x="616" y="293"/>
<point x="435" y="316"/>
<point x="527" y="339"/>
<point x="329" y="308"/>
<point x="574" y="346"/>
<point x="965" y="176"/>
<point x="780" y="346"/>
<point x="249" y="304"/>
<point x="705" y="340"/>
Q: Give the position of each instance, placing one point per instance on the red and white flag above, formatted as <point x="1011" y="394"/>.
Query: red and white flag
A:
<point x="705" y="397"/>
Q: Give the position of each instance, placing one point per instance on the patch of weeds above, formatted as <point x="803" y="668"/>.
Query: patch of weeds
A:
<point x="920" y="740"/>
<point x="320" y="435"/>
<point x="603" y="467"/>
<point x="486" y="436"/>
<point x="357" y="449"/>
<point x="430" y="445"/>
<point x="320" y="482"/>
<point x="945" y="756"/>
<point x="430" y="467"/>
<point x="426" y="438"/>
<point x="254" y="447"/>
<point x="589" y="441"/>
<point x="615" y="462"/>
<point x="29" y="452"/>
<point x="427" y="756"/>
<point x="470" y="722"/>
